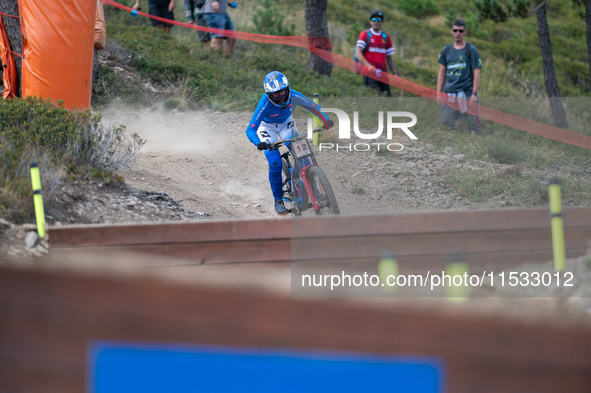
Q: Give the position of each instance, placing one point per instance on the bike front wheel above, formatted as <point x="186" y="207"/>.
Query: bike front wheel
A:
<point x="323" y="193"/>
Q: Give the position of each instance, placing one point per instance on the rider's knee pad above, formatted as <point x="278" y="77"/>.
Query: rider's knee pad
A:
<point x="274" y="159"/>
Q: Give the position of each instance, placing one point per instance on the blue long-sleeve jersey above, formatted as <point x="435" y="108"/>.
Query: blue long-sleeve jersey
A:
<point x="270" y="113"/>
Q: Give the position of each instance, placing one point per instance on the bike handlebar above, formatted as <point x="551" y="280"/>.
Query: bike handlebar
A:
<point x="275" y="145"/>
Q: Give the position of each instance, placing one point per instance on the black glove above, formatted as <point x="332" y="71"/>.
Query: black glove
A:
<point x="329" y="124"/>
<point x="263" y="145"/>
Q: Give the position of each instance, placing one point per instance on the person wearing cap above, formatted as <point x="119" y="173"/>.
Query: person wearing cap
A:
<point x="374" y="50"/>
<point x="459" y="79"/>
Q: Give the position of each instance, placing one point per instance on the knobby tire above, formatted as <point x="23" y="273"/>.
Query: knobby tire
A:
<point x="322" y="185"/>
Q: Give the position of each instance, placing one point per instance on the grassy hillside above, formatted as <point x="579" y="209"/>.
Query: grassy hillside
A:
<point x="511" y="58"/>
<point x="510" y="51"/>
<point x="512" y="69"/>
<point x="64" y="143"/>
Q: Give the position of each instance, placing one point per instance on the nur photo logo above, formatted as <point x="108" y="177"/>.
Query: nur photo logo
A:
<point x="392" y="123"/>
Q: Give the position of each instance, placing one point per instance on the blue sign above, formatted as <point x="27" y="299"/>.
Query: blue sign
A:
<point x="127" y="368"/>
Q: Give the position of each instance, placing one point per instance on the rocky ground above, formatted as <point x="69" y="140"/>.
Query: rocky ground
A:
<point x="204" y="160"/>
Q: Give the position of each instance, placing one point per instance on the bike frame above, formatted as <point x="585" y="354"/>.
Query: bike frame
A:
<point x="301" y="166"/>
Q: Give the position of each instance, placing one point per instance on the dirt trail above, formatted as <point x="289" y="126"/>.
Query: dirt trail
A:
<point x="204" y="160"/>
<point x="207" y="165"/>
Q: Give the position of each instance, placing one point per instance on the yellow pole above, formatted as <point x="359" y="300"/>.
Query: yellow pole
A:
<point x="458" y="293"/>
<point x="387" y="267"/>
<point x="38" y="199"/>
<point x="557" y="224"/>
<point x="316" y="123"/>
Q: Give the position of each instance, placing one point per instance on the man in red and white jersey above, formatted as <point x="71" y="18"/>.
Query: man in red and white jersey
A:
<point x="374" y="50"/>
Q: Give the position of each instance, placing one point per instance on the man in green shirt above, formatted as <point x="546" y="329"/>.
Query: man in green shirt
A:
<point x="459" y="76"/>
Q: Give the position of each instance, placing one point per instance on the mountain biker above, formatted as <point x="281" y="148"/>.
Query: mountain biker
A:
<point x="272" y="118"/>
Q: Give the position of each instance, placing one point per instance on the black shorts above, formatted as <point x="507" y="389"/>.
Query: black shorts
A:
<point x="380" y="86"/>
<point x="449" y="116"/>
<point x="203" y="35"/>
<point x="157" y="8"/>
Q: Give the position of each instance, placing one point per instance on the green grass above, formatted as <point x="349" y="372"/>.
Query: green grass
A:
<point x="511" y="68"/>
<point x="524" y="189"/>
<point x="111" y="86"/>
<point x="209" y="76"/>
<point x="513" y="44"/>
<point x="528" y="167"/>
<point x="173" y="103"/>
<point x="510" y="51"/>
<point x="62" y="142"/>
<point x="505" y="152"/>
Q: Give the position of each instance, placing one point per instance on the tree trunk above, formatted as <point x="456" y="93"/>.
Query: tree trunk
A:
<point x="548" y="66"/>
<point x="13" y="30"/>
<point x="588" y="22"/>
<point x="317" y="29"/>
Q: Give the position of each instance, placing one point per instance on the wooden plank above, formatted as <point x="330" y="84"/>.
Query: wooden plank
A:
<point x="427" y="239"/>
<point x="437" y="222"/>
<point x="207" y="252"/>
<point x="448" y="222"/>
<point x="146" y="298"/>
<point x="509" y="247"/>
<point x="177" y="232"/>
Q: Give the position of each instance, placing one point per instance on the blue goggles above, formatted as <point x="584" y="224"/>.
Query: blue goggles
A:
<point x="376" y="19"/>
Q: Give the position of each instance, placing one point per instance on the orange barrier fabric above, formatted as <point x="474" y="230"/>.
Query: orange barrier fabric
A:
<point x="9" y="76"/>
<point x="100" y="28"/>
<point x="506" y="119"/>
<point x="319" y="47"/>
<point x="58" y="50"/>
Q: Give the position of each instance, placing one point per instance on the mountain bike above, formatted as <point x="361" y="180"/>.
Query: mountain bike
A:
<point x="304" y="184"/>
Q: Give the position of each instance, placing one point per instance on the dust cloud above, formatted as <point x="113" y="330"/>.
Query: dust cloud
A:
<point x="166" y="131"/>
<point x="249" y="192"/>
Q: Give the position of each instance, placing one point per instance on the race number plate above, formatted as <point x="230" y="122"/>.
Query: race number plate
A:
<point x="301" y="148"/>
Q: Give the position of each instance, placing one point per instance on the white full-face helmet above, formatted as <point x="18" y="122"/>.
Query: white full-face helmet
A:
<point x="277" y="89"/>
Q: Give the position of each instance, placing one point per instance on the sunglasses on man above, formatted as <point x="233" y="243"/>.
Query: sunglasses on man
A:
<point x="376" y="19"/>
<point x="457" y="31"/>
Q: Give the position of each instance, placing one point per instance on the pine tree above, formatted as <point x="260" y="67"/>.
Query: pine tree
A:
<point x="493" y="10"/>
<point x="317" y="29"/>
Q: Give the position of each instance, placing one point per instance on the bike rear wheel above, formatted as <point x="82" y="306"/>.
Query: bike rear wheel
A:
<point x="322" y="192"/>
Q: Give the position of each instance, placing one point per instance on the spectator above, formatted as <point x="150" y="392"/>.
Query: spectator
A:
<point x="374" y="49"/>
<point x="459" y="72"/>
<point x="193" y="15"/>
<point x="216" y="17"/>
<point x="162" y="9"/>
